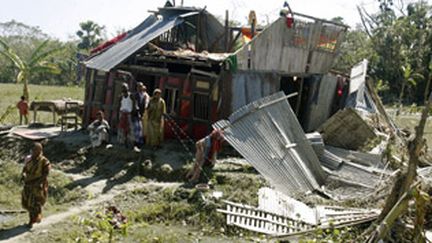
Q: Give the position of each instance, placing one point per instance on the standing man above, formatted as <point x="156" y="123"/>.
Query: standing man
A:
<point x="125" y="128"/>
<point x="22" y="106"/>
<point x="35" y="192"/>
<point x="142" y="99"/>
<point x="156" y="109"/>
<point x="99" y="130"/>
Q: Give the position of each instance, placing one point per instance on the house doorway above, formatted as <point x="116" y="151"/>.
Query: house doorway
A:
<point x="289" y="85"/>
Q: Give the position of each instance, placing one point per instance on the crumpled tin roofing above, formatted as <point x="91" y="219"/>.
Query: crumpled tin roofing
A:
<point x="268" y="135"/>
<point x="149" y="29"/>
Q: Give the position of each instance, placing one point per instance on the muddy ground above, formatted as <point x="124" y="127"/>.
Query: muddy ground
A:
<point x="147" y="187"/>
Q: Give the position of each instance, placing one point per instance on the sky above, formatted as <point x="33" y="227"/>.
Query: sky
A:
<point x="61" y="18"/>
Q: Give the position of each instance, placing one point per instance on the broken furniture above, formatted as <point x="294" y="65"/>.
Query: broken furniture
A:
<point x="70" y="115"/>
<point x="56" y="107"/>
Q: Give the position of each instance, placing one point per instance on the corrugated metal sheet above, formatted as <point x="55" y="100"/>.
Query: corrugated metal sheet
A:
<point x="320" y="99"/>
<point x="267" y="134"/>
<point x="136" y="39"/>
<point x="248" y="86"/>
<point x="359" y="97"/>
<point x="281" y="49"/>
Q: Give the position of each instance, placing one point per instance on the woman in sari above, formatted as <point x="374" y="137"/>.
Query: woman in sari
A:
<point x="34" y="176"/>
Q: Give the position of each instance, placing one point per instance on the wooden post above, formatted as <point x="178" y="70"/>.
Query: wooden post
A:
<point x="226" y="31"/>
<point x="299" y="97"/>
<point x="253" y="30"/>
<point x="380" y="107"/>
<point x="198" y="32"/>
<point x="34" y="113"/>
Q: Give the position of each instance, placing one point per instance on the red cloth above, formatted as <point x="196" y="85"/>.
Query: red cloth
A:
<point x="289" y="21"/>
<point x="124" y="122"/>
<point x="108" y="43"/>
<point x="216" y="139"/>
<point x="23" y="107"/>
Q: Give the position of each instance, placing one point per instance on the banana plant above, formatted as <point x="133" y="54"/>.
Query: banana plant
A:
<point x="37" y="63"/>
<point x="410" y="77"/>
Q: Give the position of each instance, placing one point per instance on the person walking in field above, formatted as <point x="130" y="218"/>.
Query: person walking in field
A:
<point x="22" y="106"/>
<point x="156" y="109"/>
<point x="35" y="178"/>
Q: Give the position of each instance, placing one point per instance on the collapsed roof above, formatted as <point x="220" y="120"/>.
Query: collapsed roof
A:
<point x="174" y="24"/>
<point x="310" y="45"/>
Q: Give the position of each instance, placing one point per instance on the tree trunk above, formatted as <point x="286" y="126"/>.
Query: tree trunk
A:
<point x="395" y="204"/>
<point x="399" y="208"/>
<point x="25" y="90"/>
<point x="426" y="92"/>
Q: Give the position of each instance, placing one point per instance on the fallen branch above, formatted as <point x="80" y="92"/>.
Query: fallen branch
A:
<point x="399" y="208"/>
<point x="401" y="193"/>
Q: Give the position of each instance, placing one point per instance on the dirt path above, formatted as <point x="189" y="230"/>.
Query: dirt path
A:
<point x="21" y="233"/>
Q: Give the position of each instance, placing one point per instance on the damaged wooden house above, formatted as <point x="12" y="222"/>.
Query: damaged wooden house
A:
<point x="190" y="56"/>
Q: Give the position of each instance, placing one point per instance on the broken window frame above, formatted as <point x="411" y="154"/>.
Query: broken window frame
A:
<point x="202" y="111"/>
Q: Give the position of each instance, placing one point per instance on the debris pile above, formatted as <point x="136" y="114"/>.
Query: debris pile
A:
<point x="342" y="162"/>
<point x="280" y="215"/>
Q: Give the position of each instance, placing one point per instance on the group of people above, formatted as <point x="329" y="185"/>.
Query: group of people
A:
<point x="140" y="119"/>
<point x="37" y="167"/>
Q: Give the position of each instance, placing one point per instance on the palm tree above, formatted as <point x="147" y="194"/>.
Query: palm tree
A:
<point x="37" y="63"/>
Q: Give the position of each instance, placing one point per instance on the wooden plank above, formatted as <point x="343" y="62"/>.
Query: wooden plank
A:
<point x="362" y="158"/>
<point x="173" y="60"/>
<point x="321" y="20"/>
<point x="201" y="72"/>
<point x="152" y="70"/>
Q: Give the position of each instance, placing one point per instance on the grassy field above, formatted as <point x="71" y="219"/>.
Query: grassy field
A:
<point x="10" y="95"/>
<point x="410" y="121"/>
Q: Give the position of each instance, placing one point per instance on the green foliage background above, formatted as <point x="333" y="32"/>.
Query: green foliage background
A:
<point x="396" y="38"/>
<point x="397" y="41"/>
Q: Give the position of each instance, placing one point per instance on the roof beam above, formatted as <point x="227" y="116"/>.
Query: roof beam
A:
<point x="174" y="61"/>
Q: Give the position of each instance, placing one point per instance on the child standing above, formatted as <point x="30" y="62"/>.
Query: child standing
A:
<point x="23" y="110"/>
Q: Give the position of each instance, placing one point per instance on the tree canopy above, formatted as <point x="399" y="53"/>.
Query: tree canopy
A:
<point x="90" y="34"/>
<point x="397" y="40"/>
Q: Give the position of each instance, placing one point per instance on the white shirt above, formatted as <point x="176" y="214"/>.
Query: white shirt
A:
<point x="126" y="104"/>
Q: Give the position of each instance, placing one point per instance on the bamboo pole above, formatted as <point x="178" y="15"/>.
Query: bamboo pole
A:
<point x="399" y="208"/>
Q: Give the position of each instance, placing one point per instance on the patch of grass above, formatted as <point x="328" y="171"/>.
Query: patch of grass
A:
<point x="11" y="93"/>
<point x="10" y="185"/>
<point x="59" y="197"/>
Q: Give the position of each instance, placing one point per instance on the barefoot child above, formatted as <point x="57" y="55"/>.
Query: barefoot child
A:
<point x="23" y="110"/>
